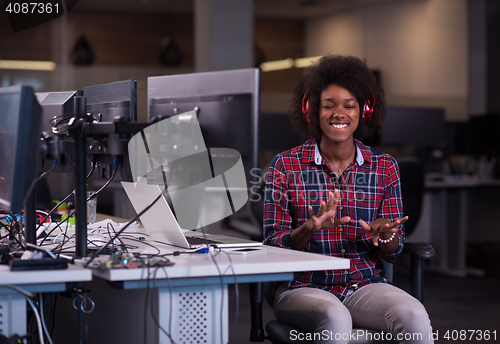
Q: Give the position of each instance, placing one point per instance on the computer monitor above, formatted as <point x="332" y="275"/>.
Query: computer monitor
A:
<point x="483" y="135"/>
<point x="419" y="127"/>
<point x="107" y="102"/>
<point x="20" y="122"/>
<point x="227" y="104"/>
<point x="116" y="101"/>
<point x="56" y="106"/>
<point x="276" y="133"/>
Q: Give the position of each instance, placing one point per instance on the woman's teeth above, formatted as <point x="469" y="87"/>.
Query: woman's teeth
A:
<point x="340" y="126"/>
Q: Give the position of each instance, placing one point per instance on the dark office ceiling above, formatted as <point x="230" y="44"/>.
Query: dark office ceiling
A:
<point x="263" y="8"/>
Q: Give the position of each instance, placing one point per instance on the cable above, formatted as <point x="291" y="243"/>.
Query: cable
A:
<point x="171" y="305"/>
<point x="52" y="210"/>
<point x="119" y="239"/>
<point x="80" y="315"/>
<point x="116" y="163"/>
<point x="43" y="320"/>
<point x="93" y="164"/>
<point x="20" y="291"/>
<point x="33" y="183"/>
<point x="145" y="334"/>
<point x="237" y="296"/>
<point x="38" y="321"/>
<point x="124" y="227"/>
<point x="144" y="243"/>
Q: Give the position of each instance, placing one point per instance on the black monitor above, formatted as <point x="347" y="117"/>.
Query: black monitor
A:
<point x="227" y="104"/>
<point x="276" y="133"/>
<point x="419" y="127"/>
<point x="20" y="122"/>
<point x="56" y="106"/>
<point x="116" y="101"/>
<point x="483" y="135"/>
<point x="107" y="102"/>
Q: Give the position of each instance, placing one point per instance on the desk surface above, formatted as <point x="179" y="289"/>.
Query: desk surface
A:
<point x="71" y="274"/>
<point x="274" y="260"/>
<point x="460" y="182"/>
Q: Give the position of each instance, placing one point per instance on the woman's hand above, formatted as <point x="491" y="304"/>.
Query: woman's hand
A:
<point x="325" y="219"/>
<point x="382" y="228"/>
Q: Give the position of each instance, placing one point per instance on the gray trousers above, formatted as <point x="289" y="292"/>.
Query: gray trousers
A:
<point x="377" y="306"/>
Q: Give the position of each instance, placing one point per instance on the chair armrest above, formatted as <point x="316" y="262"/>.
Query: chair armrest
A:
<point x="421" y="250"/>
<point x="418" y="251"/>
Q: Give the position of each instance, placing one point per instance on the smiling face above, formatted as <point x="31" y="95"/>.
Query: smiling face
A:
<point x="338" y="114"/>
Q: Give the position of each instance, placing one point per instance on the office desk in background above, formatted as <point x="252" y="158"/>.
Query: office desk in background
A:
<point x="446" y="222"/>
<point x="13" y="303"/>
<point x="192" y="294"/>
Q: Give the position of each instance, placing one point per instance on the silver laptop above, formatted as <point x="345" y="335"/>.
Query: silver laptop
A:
<point x="161" y="224"/>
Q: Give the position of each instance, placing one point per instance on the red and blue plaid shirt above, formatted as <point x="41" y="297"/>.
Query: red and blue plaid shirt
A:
<point x="369" y="189"/>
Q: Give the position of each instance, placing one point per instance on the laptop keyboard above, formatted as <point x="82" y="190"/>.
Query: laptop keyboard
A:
<point x="192" y="240"/>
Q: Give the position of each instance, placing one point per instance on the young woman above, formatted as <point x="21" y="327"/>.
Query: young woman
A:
<point x="335" y="196"/>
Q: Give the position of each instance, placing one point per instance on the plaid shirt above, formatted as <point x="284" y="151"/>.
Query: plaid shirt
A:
<point x="369" y="189"/>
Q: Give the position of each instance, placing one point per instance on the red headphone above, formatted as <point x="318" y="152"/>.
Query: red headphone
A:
<point x="305" y="109"/>
<point x="367" y="110"/>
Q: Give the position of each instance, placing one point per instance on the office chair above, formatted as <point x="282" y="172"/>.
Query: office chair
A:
<point x="412" y="177"/>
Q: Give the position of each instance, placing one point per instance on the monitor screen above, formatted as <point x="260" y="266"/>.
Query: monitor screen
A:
<point x="20" y="122"/>
<point x="227" y="104"/>
<point x="420" y="127"/>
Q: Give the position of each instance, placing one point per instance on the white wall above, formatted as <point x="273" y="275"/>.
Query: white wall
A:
<point x="419" y="46"/>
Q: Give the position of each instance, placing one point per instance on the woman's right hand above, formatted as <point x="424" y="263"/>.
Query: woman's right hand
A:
<point x="325" y="219"/>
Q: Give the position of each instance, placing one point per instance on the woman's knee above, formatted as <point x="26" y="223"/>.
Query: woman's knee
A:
<point x="333" y="317"/>
<point x="412" y="316"/>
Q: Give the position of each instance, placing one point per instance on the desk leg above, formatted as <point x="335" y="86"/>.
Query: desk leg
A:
<point x="439" y="232"/>
<point x="450" y="217"/>
<point x="197" y="314"/>
<point x="12" y="314"/>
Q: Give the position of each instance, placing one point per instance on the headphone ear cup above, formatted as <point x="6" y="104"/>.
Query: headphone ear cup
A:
<point x="305" y="109"/>
<point x="368" y="110"/>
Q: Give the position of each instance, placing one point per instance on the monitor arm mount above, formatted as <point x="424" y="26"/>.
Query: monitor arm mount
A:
<point x="80" y="127"/>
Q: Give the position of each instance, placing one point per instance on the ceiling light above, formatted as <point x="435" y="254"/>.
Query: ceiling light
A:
<point x="27" y="65"/>
<point x="306" y="61"/>
<point x="276" y="65"/>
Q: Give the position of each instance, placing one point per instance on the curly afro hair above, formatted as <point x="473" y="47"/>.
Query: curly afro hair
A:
<point x="347" y="71"/>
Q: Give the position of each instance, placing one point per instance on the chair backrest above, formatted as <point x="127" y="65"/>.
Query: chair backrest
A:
<point x="412" y="190"/>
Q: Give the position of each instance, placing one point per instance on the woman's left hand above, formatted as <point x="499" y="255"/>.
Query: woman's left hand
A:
<point x="381" y="228"/>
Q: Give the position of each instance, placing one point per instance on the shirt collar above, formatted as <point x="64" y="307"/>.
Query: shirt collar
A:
<point x="362" y="153"/>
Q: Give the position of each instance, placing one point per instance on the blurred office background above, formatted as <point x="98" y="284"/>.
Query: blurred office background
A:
<point x="438" y="61"/>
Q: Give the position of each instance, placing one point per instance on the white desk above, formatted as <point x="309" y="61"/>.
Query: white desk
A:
<point x="193" y="297"/>
<point x="448" y="204"/>
<point x="13" y="304"/>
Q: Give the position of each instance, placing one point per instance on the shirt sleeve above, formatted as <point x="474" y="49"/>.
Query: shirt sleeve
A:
<point x="391" y="208"/>
<point x="277" y="220"/>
